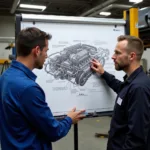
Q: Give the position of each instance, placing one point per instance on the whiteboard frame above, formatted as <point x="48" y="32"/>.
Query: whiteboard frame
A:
<point x="70" y="19"/>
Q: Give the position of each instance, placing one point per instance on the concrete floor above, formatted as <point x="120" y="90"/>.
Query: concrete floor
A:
<point x="86" y="131"/>
<point x="86" y="135"/>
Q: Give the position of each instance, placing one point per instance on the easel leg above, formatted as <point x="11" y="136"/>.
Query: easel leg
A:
<point x="76" y="137"/>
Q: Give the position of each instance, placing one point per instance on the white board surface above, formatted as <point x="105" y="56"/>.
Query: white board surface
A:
<point x="66" y="78"/>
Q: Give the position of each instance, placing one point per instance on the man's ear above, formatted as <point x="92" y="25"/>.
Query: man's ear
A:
<point x="36" y="51"/>
<point x="132" y="55"/>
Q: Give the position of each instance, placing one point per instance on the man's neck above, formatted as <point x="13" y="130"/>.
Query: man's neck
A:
<point x="28" y="62"/>
<point x="132" y="68"/>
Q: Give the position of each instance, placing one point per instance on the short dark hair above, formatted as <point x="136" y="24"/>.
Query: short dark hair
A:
<point x="134" y="45"/>
<point x="29" y="38"/>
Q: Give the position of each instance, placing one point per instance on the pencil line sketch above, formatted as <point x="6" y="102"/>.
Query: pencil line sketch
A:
<point x="73" y="62"/>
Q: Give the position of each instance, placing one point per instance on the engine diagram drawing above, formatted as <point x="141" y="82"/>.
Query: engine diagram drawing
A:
<point x="73" y="62"/>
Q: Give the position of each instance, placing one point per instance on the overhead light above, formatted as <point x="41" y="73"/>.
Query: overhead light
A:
<point x="105" y="13"/>
<point x="136" y="1"/>
<point x="32" y="6"/>
<point x="143" y="8"/>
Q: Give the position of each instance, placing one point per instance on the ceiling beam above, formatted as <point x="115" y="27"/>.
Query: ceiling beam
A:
<point x="100" y="6"/>
<point x="112" y="6"/>
<point x="14" y="6"/>
<point x="64" y="2"/>
<point x="44" y="12"/>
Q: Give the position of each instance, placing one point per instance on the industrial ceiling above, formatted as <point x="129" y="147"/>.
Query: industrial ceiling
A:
<point x="90" y="8"/>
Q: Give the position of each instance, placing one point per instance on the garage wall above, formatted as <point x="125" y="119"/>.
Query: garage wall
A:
<point x="7" y="29"/>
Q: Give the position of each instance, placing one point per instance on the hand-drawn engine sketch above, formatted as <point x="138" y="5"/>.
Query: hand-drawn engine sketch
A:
<point x="73" y="62"/>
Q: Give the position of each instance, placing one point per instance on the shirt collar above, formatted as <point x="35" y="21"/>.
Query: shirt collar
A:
<point x="133" y="75"/>
<point x="23" y="68"/>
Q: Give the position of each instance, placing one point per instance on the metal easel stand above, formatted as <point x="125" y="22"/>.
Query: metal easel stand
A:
<point x="76" y="145"/>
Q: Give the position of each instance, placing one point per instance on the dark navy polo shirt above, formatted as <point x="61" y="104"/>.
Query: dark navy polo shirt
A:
<point x="26" y="121"/>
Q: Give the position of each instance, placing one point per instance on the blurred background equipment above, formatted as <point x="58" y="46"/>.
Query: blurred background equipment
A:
<point x="5" y="66"/>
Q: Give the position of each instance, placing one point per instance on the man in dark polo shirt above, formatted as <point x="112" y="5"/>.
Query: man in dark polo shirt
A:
<point x="26" y="121"/>
<point x="130" y="124"/>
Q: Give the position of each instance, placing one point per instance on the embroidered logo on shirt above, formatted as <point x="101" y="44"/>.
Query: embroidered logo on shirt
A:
<point x="119" y="101"/>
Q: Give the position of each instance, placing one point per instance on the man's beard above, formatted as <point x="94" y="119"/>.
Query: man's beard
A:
<point x="120" y="67"/>
<point x="38" y="65"/>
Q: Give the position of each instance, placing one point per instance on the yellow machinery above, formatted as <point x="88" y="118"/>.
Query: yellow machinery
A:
<point x="2" y="61"/>
<point x="131" y="16"/>
<point x="5" y="62"/>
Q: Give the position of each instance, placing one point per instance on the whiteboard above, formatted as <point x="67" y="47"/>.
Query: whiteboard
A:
<point x="66" y="77"/>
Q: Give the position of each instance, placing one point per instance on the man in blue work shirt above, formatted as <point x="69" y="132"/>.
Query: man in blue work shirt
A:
<point x="27" y="122"/>
<point x="130" y="125"/>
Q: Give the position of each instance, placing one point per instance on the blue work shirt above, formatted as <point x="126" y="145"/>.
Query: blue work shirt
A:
<point x="130" y="125"/>
<point x="26" y="120"/>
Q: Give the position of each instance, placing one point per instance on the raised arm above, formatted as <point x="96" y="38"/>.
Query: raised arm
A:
<point x="112" y="82"/>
